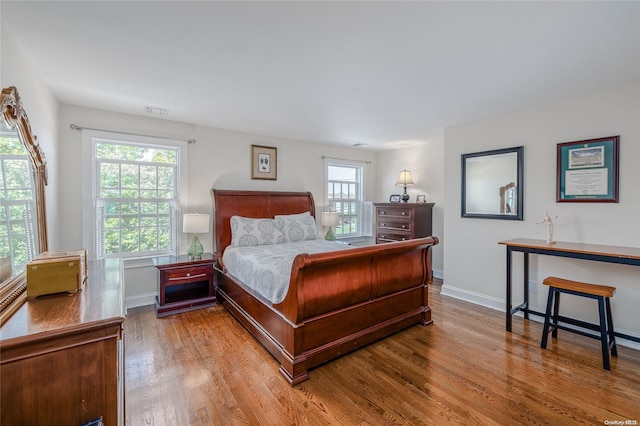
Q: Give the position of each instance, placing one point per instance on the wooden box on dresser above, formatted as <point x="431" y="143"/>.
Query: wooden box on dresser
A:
<point x="402" y="221"/>
<point x="62" y="355"/>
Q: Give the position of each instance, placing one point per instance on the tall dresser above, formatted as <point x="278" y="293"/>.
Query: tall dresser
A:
<point x="402" y="221"/>
<point x="61" y="356"/>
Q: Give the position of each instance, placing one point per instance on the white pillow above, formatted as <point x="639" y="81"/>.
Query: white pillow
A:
<point x="297" y="227"/>
<point x="247" y="231"/>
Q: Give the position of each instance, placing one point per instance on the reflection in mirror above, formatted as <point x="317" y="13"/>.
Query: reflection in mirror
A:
<point x="484" y="191"/>
<point x="17" y="204"/>
<point x="508" y="199"/>
<point x="23" y="232"/>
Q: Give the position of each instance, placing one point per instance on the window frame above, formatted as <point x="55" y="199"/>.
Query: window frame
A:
<point x="90" y="187"/>
<point x="359" y="200"/>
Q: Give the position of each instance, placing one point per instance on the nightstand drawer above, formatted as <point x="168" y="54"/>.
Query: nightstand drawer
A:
<point x="186" y="275"/>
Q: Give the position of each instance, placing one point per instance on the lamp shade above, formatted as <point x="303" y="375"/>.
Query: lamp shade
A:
<point x="194" y="223"/>
<point x="330" y="219"/>
<point x="405" y="179"/>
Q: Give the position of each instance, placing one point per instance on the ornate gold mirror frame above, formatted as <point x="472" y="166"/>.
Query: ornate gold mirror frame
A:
<point x="12" y="290"/>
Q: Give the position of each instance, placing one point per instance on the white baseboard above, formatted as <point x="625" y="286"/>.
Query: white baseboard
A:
<point x="140" y="300"/>
<point x="437" y="273"/>
<point x="499" y="305"/>
<point x="473" y="297"/>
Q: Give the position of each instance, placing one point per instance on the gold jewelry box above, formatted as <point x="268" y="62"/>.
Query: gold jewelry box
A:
<point x="56" y="271"/>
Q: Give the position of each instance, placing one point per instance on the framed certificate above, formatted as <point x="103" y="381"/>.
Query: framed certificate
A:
<point x="587" y="171"/>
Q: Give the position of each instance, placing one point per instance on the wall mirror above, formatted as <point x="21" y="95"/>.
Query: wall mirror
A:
<point x="492" y="184"/>
<point x="23" y="175"/>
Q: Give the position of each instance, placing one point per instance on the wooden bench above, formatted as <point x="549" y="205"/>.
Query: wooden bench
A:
<point x="602" y="293"/>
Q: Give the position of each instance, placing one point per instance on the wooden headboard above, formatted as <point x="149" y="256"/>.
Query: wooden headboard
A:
<point x="227" y="203"/>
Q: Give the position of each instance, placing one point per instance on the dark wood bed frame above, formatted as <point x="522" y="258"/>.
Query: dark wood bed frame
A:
<point x="336" y="302"/>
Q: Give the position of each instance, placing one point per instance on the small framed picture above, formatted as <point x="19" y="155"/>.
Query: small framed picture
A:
<point x="421" y="199"/>
<point x="264" y="162"/>
<point x="395" y="198"/>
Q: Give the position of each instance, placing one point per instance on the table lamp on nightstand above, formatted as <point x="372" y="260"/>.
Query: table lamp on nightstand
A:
<point x="194" y="223"/>
<point x="330" y="219"/>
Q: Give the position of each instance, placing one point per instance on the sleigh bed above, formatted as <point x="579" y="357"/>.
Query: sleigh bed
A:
<point x="336" y="301"/>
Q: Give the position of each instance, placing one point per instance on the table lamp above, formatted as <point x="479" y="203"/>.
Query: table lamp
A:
<point x="330" y="219"/>
<point x="194" y="223"/>
<point x="405" y="180"/>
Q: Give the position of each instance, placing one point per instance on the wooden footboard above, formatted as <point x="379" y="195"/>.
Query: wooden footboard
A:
<point x="336" y="302"/>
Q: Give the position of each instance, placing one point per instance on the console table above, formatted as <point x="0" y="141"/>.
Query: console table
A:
<point x="61" y="355"/>
<point x="595" y="252"/>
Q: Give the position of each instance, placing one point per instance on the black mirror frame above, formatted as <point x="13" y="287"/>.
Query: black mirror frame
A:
<point x="519" y="184"/>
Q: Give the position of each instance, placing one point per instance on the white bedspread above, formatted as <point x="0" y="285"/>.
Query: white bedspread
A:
<point x="266" y="270"/>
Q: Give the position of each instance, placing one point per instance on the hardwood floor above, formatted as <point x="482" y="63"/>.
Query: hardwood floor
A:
<point x="203" y="368"/>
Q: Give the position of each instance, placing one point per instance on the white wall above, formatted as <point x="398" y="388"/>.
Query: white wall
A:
<point x="425" y="160"/>
<point x="220" y="158"/>
<point x="42" y="109"/>
<point x="474" y="263"/>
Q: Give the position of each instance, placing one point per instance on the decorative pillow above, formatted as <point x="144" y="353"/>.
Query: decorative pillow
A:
<point x="297" y="227"/>
<point x="247" y="231"/>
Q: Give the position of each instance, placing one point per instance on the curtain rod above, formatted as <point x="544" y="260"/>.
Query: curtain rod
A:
<point x="76" y="127"/>
<point x="344" y="159"/>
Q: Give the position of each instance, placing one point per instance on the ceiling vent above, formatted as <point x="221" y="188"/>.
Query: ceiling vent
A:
<point x="156" y="110"/>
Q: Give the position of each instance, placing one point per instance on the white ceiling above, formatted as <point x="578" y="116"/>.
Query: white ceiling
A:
<point x="382" y="73"/>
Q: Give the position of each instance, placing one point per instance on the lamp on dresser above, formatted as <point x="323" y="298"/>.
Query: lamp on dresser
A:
<point x="405" y="180"/>
<point x="194" y="223"/>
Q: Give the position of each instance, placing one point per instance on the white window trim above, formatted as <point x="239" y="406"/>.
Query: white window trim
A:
<point x="353" y="163"/>
<point x="89" y="185"/>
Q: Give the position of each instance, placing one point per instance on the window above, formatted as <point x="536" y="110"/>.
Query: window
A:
<point x="17" y="204"/>
<point x="345" y="195"/>
<point x="135" y="198"/>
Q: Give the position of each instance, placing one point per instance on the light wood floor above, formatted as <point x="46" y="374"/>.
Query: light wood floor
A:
<point x="204" y="368"/>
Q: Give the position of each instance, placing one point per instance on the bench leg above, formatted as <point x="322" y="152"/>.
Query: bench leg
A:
<point x="603" y="335"/>
<point x="556" y="309"/>
<point x="547" y="318"/>
<point x="612" y="335"/>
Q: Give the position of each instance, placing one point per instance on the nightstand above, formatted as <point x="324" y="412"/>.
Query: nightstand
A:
<point x="183" y="284"/>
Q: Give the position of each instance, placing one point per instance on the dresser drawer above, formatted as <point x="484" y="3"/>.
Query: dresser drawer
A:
<point x="187" y="275"/>
<point x="399" y="212"/>
<point x="383" y="237"/>
<point x="391" y="223"/>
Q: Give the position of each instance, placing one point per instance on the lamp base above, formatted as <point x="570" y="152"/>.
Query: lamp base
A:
<point x="405" y="196"/>
<point x="195" y="249"/>
<point x="330" y="235"/>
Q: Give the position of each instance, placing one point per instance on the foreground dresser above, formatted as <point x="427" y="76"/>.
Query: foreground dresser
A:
<point x="402" y="221"/>
<point x="61" y="356"/>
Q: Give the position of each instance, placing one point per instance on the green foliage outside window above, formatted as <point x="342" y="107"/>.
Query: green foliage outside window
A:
<point x="137" y="185"/>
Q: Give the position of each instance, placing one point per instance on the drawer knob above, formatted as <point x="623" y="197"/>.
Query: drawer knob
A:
<point x="188" y="274"/>
<point x="404" y="226"/>
<point x="404" y="213"/>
